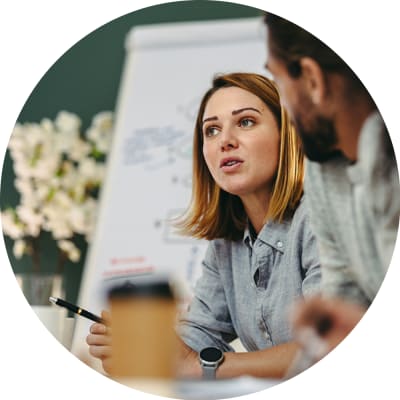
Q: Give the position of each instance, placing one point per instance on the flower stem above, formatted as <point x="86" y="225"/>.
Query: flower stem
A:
<point x="62" y="257"/>
<point x="35" y="255"/>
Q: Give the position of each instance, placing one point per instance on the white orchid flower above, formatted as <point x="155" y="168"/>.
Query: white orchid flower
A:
<point x="69" y="248"/>
<point x="12" y="226"/>
<point x="19" y="248"/>
<point x="58" y="171"/>
<point x="67" y="122"/>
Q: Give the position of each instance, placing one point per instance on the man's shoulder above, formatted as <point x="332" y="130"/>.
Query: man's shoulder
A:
<point x="323" y="175"/>
<point x="327" y="191"/>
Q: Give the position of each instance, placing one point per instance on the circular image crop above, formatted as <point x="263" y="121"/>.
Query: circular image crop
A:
<point x="231" y="176"/>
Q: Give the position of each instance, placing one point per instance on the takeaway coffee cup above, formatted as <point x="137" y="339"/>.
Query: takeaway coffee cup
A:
<point x="144" y="342"/>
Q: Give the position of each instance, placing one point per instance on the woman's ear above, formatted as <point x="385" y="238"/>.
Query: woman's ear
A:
<point x="313" y="79"/>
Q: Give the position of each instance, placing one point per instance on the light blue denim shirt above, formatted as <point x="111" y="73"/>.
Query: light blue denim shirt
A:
<point x="246" y="289"/>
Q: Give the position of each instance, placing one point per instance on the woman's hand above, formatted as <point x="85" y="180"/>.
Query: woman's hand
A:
<point x="99" y="341"/>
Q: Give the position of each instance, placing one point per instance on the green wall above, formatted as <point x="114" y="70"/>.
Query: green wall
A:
<point x="85" y="80"/>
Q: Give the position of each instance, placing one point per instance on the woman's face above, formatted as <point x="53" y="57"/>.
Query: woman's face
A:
<point x="240" y="142"/>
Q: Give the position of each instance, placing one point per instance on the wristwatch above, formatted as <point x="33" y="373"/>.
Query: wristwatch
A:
<point x="210" y="358"/>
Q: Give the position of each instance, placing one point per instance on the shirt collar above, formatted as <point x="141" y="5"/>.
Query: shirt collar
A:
<point x="247" y="236"/>
<point x="272" y="233"/>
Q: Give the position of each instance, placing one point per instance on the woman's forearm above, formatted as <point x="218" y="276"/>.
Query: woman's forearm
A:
<point x="269" y="363"/>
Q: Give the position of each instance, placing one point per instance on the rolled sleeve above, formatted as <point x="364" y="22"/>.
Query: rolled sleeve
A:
<point x="208" y="321"/>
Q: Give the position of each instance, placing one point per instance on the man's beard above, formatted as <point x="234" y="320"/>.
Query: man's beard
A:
<point x="319" y="142"/>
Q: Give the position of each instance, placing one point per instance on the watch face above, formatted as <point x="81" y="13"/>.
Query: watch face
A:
<point x="211" y="354"/>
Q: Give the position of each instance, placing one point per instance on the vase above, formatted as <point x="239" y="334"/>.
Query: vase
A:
<point x="37" y="288"/>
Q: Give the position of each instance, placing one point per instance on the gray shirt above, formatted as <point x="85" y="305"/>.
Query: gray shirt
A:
<point x="246" y="289"/>
<point x="354" y="210"/>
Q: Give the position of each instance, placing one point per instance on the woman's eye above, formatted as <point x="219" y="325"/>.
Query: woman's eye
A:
<point x="246" y="122"/>
<point x="211" y="131"/>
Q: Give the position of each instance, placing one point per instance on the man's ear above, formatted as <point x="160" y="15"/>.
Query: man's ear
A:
<point x="313" y="79"/>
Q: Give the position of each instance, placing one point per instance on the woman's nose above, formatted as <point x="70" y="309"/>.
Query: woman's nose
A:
<point x="228" y="140"/>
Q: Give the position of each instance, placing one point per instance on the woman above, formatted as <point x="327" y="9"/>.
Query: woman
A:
<point x="247" y="201"/>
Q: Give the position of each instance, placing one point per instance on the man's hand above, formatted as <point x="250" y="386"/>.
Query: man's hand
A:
<point x="330" y="319"/>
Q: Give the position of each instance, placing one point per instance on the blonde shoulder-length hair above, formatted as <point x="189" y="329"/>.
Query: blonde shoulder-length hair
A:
<point x="213" y="213"/>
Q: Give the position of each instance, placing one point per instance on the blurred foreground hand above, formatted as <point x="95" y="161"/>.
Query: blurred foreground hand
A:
<point x="327" y="320"/>
<point x="319" y="325"/>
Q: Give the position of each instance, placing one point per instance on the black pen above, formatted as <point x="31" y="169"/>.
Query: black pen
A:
<point x="76" y="309"/>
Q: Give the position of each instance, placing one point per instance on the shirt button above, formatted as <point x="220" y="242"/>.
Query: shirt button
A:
<point x="279" y="244"/>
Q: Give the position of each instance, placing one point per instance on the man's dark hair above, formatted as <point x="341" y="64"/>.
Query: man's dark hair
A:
<point x="290" y="43"/>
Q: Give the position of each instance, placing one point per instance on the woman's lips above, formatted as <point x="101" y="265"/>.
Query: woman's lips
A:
<point x="230" y="164"/>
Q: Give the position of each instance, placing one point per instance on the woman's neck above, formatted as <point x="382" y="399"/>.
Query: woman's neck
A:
<point x="256" y="208"/>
